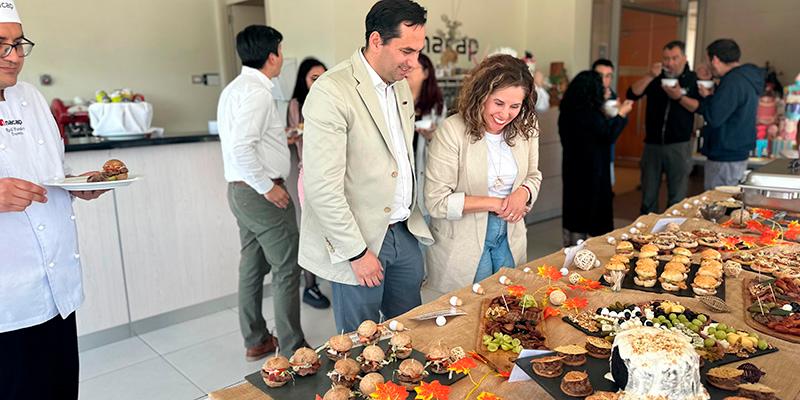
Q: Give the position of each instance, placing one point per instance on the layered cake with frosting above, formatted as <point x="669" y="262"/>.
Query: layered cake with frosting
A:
<point x="650" y="363"/>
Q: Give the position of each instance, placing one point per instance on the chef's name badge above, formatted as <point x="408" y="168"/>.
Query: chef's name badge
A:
<point x="12" y="126"/>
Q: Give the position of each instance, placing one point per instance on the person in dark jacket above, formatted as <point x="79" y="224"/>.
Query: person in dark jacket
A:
<point x="729" y="111"/>
<point x="669" y="119"/>
<point x="586" y="138"/>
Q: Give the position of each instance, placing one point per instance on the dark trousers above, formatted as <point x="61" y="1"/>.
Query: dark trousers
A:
<point x="269" y="239"/>
<point x="40" y="362"/>
<point x="674" y="160"/>
<point x="399" y="291"/>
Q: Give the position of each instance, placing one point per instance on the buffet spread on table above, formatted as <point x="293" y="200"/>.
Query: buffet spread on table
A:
<point x="702" y="302"/>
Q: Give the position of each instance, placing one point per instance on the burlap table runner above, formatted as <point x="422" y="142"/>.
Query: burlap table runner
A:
<point x="781" y="367"/>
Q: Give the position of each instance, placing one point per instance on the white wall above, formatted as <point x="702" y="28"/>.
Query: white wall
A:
<point x="765" y="31"/>
<point x="151" y="46"/>
<point x="554" y="30"/>
<point x="560" y="30"/>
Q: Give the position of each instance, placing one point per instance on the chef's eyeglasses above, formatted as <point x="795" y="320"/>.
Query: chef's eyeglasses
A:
<point x="23" y="48"/>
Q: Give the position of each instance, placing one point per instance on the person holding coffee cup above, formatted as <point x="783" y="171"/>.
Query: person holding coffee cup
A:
<point x="672" y="98"/>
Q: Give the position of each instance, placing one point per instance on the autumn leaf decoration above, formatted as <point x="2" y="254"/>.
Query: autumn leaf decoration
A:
<point x="793" y="231"/>
<point x="549" y="312"/>
<point x="731" y="242"/>
<point x="763" y="213"/>
<point x="463" y="366"/>
<point x="576" y="303"/>
<point x="549" y="272"/>
<point x="517" y="290"/>
<point x="586" y="285"/>
<point x="432" y="391"/>
<point x="389" y="391"/>
<point x="488" y="396"/>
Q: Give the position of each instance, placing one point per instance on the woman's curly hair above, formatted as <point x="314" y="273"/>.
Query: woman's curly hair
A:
<point x="498" y="72"/>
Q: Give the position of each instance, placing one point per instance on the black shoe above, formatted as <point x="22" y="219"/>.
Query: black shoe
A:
<point x="313" y="297"/>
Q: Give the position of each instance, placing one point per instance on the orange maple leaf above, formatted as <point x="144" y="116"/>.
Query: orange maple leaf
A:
<point x="550" y="272"/>
<point x="463" y="365"/>
<point x="389" y="391"/>
<point x="586" y="285"/>
<point x="488" y="396"/>
<point x="731" y="242"/>
<point x="517" y="290"/>
<point x="432" y="391"/>
<point x="576" y="303"/>
<point x="756" y="226"/>
<point x="550" y="312"/>
<point x="764" y="213"/>
<point x="768" y="237"/>
<point x="793" y="231"/>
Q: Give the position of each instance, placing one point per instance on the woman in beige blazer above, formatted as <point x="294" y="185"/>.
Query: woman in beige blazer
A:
<point x="482" y="176"/>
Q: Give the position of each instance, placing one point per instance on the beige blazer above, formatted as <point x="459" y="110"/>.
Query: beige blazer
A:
<point x="456" y="168"/>
<point x="350" y="171"/>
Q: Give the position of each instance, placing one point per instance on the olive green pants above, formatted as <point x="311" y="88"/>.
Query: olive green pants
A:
<point x="269" y="239"/>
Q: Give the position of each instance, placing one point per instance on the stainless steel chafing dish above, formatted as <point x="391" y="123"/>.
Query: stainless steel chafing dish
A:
<point x="775" y="185"/>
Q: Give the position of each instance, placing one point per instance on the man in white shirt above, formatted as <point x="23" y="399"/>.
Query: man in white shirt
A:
<point x="256" y="159"/>
<point x="361" y="224"/>
<point x="40" y="270"/>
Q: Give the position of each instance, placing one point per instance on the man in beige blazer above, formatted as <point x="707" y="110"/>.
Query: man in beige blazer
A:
<point x="361" y="225"/>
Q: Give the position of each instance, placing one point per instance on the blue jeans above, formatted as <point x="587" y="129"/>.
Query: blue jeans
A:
<point x="496" y="252"/>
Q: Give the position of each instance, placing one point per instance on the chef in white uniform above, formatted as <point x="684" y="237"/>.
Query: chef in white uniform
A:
<point x="40" y="270"/>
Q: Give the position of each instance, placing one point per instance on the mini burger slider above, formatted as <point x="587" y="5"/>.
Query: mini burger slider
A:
<point x="371" y="359"/>
<point x="625" y="248"/>
<point x="344" y="373"/>
<point x="369" y="384"/>
<point x="304" y="361"/>
<point x="369" y="332"/>
<point x="598" y="347"/>
<point x="438" y="358"/>
<point x="573" y="354"/>
<point x="276" y="371"/>
<point x="339" y="347"/>
<point x="548" y="366"/>
<point x="338" y="393"/>
<point x="401" y="345"/>
<point x="410" y="373"/>
<point x="672" y="281"/>
<point x="648" y="251"/>
<point x="113" y="170"/>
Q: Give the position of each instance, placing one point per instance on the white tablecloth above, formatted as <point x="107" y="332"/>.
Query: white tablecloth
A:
<point x="120" y="119"/>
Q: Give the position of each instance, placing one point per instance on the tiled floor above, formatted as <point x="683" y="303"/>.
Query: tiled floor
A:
<point x="187" y="360"/>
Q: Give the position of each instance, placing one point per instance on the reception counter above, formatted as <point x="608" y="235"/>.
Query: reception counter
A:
<point x="163" y="244"/>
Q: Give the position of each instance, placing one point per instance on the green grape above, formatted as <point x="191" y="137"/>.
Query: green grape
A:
<point x="722" y="327"/>
<point x="731" y="329"/>
<point x="711" y="331"/>
<point x="709" y="342"/>
<point x="668" y="324"/>
<point x="697" y="322"/>
<point x="762" y="344"/>
<point x="702" y="318"/>
<point x="720" y="335"/>
<point x="673" y="317"/>
<point x="694" y="328"/>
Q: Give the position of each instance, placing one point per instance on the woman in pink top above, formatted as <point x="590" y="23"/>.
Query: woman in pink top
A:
<point x="310" y="69"/>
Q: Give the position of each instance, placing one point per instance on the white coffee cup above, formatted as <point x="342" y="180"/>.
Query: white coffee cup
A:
<point x="424" y="124"/>
<point x="669" y="82"/>
<point x="705" y="84"/>
<point x="611" y="108"/>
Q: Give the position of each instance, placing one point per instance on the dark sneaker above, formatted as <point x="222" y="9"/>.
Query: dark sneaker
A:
<point x="313" y="297"/>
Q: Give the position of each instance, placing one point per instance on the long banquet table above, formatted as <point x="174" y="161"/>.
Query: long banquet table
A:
<point x="781" y="367"/>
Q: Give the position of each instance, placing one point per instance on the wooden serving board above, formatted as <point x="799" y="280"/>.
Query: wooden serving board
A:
<point x="503" y="360"/>
<point x="748" y="319"/>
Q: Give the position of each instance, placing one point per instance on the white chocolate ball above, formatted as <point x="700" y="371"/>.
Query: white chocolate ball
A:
<point x="441" y="320"/>
<point x="564" y="271"/>
<point x="455" y="301"/>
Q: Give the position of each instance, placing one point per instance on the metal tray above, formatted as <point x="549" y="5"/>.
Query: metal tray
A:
<point x="773" y="186"/>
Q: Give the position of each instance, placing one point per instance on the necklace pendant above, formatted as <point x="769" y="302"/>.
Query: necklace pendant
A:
<point x="498" y="184"/>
